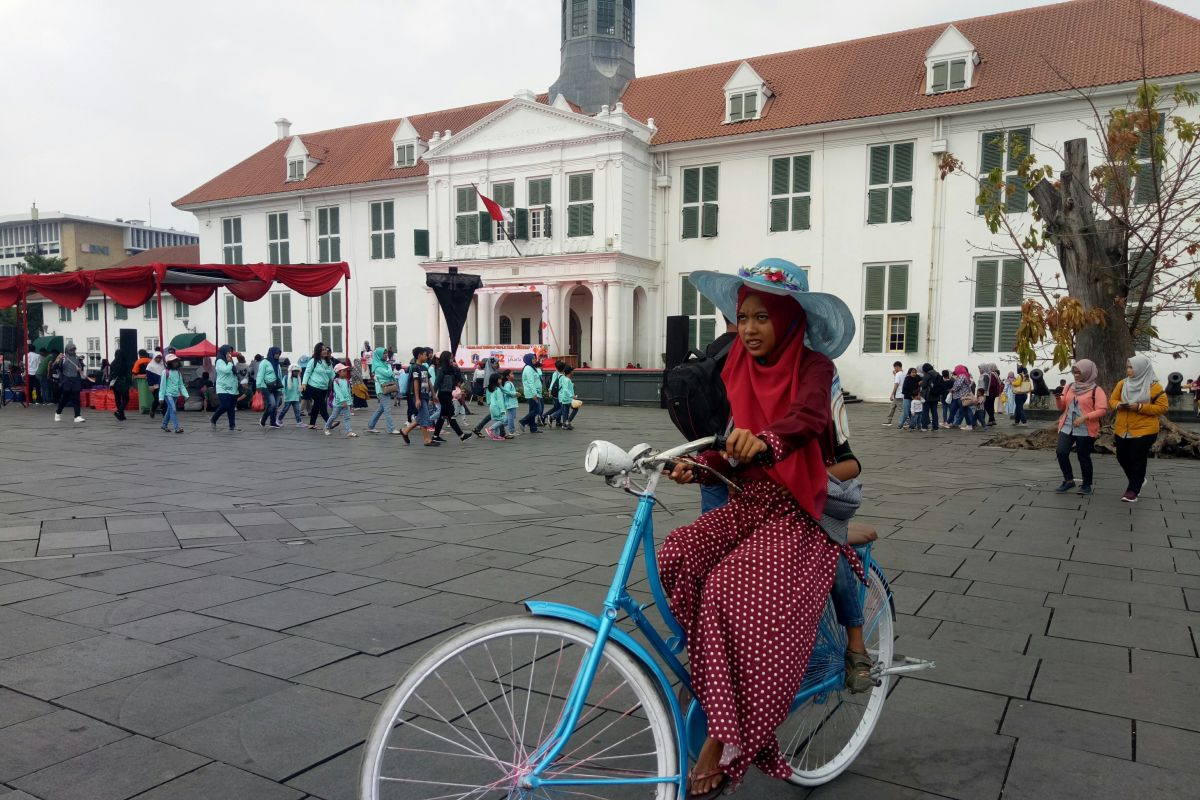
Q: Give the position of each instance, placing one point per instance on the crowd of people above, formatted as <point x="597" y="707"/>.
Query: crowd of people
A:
<point x="967" y="402"/>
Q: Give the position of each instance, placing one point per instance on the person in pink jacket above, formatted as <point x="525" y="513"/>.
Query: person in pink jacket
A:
<point x="1083" y="404"/>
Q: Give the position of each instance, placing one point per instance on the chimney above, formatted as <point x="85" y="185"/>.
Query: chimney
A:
<point x="283" y="128"/>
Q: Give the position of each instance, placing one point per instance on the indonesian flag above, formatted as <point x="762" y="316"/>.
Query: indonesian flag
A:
<point x="497" y="213"/>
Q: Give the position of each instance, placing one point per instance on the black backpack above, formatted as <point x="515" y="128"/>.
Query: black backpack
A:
<point x="695" y="395"/>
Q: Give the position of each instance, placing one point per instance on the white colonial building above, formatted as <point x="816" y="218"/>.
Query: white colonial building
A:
<point x="619" y="188"/>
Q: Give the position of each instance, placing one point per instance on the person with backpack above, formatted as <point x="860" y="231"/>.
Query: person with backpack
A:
<point x="496" y="410"/>
<point x="531" y="386"/>
<point x="1083" y="404"/>
<point x="449" y="376"/>
<point x="1139" y="401"/>
<point x="269" y="381"/>
<point x="291" y="397"/>
<point x="72" y="370"/>
<point x="932" y="390"/>
<point x="385" y="392"/>
<point x="989" y="381"/>
<point x="170" y="388"/>
<point x="550" y="418"/>
<point x="510" y="402"/>
<point x="567" y="408"/>
<point x="419" y="395"/>
<point x="1021" y="388"/>
<point x="909" y="390"/>
<point x="318" y="376"/>
<point x="342" y="400"/>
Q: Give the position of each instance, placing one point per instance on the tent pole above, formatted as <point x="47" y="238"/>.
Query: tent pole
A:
<point x="217" y="315"/>
<point x="158" y="297"/>
<point x="106" y="355"/>
<point x="346" y="317"/>
<point x="23" y="329"/>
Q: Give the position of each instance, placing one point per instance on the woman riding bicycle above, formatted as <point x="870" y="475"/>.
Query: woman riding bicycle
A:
<point x="748" y="581"/>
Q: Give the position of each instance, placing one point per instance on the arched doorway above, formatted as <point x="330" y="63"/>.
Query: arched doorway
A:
<point x="575" y="337"/>
<point x="579" y="324"/>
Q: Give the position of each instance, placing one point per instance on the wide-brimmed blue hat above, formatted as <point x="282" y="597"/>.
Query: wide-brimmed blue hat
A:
<point x="830" y="326"/>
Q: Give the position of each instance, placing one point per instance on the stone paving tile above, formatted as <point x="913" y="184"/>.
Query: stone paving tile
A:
<point x="285" y="608"/>
<point x="114" y="772"/>
<point x="1069" y="727"/>
<point x="388" y="593"/>
<point x="85" y="525"/>
<point x="225" y="640"/>
<point x="361" y="675"/>
<point x="56" y="671"/>
<point x="203" y="592"/>
<point x="334" y="583"/>
<point x="335" y="779"/>
<point x="27" y="633"/>
<point x="191" y="558"/>
<point x="499" y="585"/>
<point x="165" y="627"/>
<point x="1040" y="769"/>
<point x="1168" y="747"/>
<point x="16" y="708"/>
<point x="48" y="739"/>
<point x="289" y="656"/>
<point x="171" y="697"/>
<point x="142" y="541"/>
<point x="28" y="589"/>
<point x="51" y="543"/>
<point x="374" y="629"/>
<point x="218" y="781"/>
<point x="1177" y="668"/>
<point x="1144" y="696"/>
<point x="123" y="580"/>
<point x="971" y="667"/>
<point x="986" y="638"/>
<point x="1147" y="634"/>
<point x="52" y="605"/>
<point x="108" y="614"/>
<point x="857" y="787"/>
<point x="965" y="707"/>
<point x="282" y="734"/>
<point x="1097" y="655"/>
<point x="141" y="523"/>
<point x="987" y="613"/>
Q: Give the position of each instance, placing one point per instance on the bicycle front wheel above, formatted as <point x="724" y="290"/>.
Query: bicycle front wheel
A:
<point x="473" y="717"/>
<point x="827" y="730"/>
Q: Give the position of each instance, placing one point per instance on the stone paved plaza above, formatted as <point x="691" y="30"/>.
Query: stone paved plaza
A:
<point x="217" y="616"/>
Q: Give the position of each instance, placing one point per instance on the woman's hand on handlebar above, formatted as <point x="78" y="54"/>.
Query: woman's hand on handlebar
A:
<point x="743" y="445"/>
<point x="680" y="472"/>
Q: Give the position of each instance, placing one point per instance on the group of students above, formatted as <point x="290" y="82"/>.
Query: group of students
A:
<point x="967" y="403"/>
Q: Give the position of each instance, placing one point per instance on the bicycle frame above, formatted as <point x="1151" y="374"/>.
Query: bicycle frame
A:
<point x="617" y="600"/>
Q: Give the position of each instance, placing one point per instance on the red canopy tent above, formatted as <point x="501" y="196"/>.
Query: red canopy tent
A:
<point x="205" y="349"/>
<point x="189" y="283"/>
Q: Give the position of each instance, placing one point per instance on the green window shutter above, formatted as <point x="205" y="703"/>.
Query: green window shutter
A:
<point x="691" y="185"/>
<point x="389" y="215"/>
<point x="572" y="221"/>
<point x="322" y="221"/>
<point x="284" y="253"/>
<point x="874" y="277"/>
<point x="1009" y="322"/>
<point x="377" y="305"/>
<point x="880" y="157"/>
<point x="912" y="332"/>
<point x="272" y="226"/>
<point x="376" y="246"/>
<point x="1018" y="147"/>
<point x="691" y="222"/>
<point x="958" y="74"/>
<point x="487" y="228"/>
<point x="1017" y="200"/>
<point x="707" y="332"/>
<point x="706" y="306"/>
<point x="872" y="333"/>
<point x="585" y="186"/>
<point x="990" y="194"/>
<point x="323" y="251"/>
<point x="585" y="219"/>
<point x="521" y="219"/>
<point x="708" y="220"/>
<point x="802" y="173"/>
<point x="539" y="192"/>
<point x="376" y="216"/>
<point x="986" y="277"/>
<point x="709" y="190"/>
<point x="1144" y="190"/>
<point x="461" y="199"/>
<point x="421" y="242"/>
<point x="546" y="227"/>
<point x="800" y="213"/>
<point x="735" y="108"/>
<point x="940" y="71"/>
<point x="335" y="249"/>
<point x="983" y="333"/>
<point x="780" y="173"/>
<point x="902" y="163"/>
<point x="1146" y="141"/>
<point x="779" y="214"/>
<point x="991" y="153"/>
<point x="692" y="332"/>
<point x="389" y="245"/>
<point x="460" y="229"/>
<point x="902" y="204"/>
<point x="750" y="105"/>
<point x="897" y="287"/>
<point x="877" y="203"/>
<point x="283" y="225"/>
<point x="1011" y="282"/>
<point x="687" y="297"/>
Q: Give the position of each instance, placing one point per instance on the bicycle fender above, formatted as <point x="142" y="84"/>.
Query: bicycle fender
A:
<point x="591" y="621"/>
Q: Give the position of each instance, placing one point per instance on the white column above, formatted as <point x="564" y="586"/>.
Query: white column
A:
<point x="612" y="308"/>
<point x="469" y="335"/>
<point x="599" y="326"/>
<point x="431" y="322"/>
<point x="487" y="321"/>
<point x="558" y="341"/>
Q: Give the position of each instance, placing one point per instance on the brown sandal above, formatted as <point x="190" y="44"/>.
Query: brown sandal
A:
<point x="712" y="793"/>
<point x="858" y="672"/>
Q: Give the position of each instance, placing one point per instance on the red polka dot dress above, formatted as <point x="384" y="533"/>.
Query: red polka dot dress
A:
<point x="748" y="582"/>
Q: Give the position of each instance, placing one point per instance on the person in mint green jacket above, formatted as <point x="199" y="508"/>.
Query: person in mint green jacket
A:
<point x="170" y="388"/>
<point x="510" y="403"/>
<point x="566" y="396"/>
<point x="495" y="402"/>
<point x="315" y="383"/>
<point x="382" y="372"/>
<point x="531" y="385"/>
<point x="269" y="381"/>
<point x="291" y="396"/>
<point x="341" y="401"/>
<point x="227" y="388"/>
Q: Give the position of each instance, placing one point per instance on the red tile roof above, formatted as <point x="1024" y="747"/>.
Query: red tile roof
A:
<point x="1088" y="42"/>
<point x="182" y="254"/>
<point x="1032" y="51"/>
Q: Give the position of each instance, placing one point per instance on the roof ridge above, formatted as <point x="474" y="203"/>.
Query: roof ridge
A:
<point x="397" y="120"/>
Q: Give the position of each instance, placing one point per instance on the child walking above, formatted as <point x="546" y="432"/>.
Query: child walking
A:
<point x="495" y="401"/>
<point x="341" y="400"/>
<point x="566" y="397"/>
<point x="291" y="397"/>
<point x="510" y="404"/>
<point x="170" y="387"/>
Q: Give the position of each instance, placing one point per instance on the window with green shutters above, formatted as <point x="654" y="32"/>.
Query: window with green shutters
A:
<point x="64" y="314"/>
<point x="231" y="240"/>
<point x="329" y="234"/>
<point x="466" y="220"/>
<point x="281" y="321"/>
<point x="1141" y="272"/>
<point x="700" y="189"/>
<point x="948" y="75"/>
<point x="120" y="312"/>
<point x="1003" y="150"/>
<point x="579" y="204"/>
<point x="743" y="106"/>
<point x="504" y="194"/>
<point x="890" y="183"/>
<point x="235" y="322"/>
<point x="705" y="323"/>
<point x="277" y="238"/>
<point x="383" y="230"/>
<point x="406" y="155"/>
<point x="329" y="316"/>
<point x="182" y="310"/>
<point x="1147" y="172"/>
<point x="999" y="291"/>
<point x="538" y="198"/>
<point x="888" y="326"/>
<point x="91" y="311"/>
<point x="791" y="193"/>
<point x="149" y="310"/>
<point x="383" y="317"/>
<point x="421" y="242"/>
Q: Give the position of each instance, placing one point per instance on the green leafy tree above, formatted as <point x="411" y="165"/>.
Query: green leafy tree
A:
<point x="38" y="264"/>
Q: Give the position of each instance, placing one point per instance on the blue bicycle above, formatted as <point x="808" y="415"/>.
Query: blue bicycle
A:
<point x="566" y="703"/>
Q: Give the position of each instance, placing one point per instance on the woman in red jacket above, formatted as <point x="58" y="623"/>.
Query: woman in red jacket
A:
<point x="1083" y="404"/>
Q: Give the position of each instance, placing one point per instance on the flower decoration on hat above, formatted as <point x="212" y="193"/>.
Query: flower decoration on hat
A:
<point x="771" y="275"/>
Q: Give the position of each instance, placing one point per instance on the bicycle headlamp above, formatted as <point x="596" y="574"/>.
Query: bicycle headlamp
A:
<point x="605" y="458"/>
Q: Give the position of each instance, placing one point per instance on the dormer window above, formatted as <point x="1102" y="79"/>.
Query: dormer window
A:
<point x="406" y="155"/>
<point x="407" y="146"/>
<point x="746" y="94"/>
<point x="296" y="169"/>
<point x="950" y="63"/>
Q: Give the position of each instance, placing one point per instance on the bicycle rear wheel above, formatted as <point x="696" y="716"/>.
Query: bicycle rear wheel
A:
<point x="826" y="731"/>
<point x="470" y="718"/>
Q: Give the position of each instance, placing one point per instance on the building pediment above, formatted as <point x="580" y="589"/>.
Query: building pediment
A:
<point x="522" y="123"/>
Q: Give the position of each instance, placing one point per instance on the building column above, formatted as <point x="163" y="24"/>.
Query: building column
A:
<point x="612" y="309"/>
<point x="469" y="329"/>
<point x="559" y="336"/>
<point x="599" y="326"/>
<point x="431" y="321"/>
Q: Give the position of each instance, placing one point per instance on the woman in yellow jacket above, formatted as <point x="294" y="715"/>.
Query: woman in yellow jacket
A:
<point x="1139" y="401"/>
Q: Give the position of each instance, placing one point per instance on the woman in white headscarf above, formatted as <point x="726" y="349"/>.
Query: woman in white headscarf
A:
<point x="1139" y="401"/>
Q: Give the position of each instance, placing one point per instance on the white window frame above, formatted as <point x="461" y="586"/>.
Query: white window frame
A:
<point x="383" y="236"/>
<point x="281" y="321"/>
<point x="893" y="314"/>
<point x="91" y="311"/>
<point x="891" y="184"/>
<point x="741" y="96"/>
<point x="235" y="322"/>
<point x="582" y="203"/>
<point x="537" y="218"/>
<point x="406" y="155"/>
<point x="278" y="245"/>
<point x="297" y="167"/>
<point x="231" y="240"/>
<point x="152" y="343"/>
<point x="329" y="243"/>
<point x="120" y="312"/>
<point x="1009" y="171"/>
<point x="997" y="309"/>
<point x="383" y="326"/>
<point x="93" y="351"/>
<point x="948" y="62"/>
<point x="701" y="312"/>
<point x="330" y="313"/>
<point x="791" y="196"/>
<point x="150" y="309"/>
<point x="699" y="205"/>
<point x="182" y="310"/>
<point x="466" y="206"/>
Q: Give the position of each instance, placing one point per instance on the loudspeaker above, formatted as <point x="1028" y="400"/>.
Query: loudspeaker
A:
<point x="677" y="340"/>
<point x="9" y="342"/>
<point x="129" y="343"/>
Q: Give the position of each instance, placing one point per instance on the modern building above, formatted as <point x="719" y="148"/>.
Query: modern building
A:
<point x="621" y="186"/>
<point x="85" y="243"/>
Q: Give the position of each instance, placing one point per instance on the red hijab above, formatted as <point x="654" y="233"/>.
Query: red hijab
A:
<point x="761" y="394"/>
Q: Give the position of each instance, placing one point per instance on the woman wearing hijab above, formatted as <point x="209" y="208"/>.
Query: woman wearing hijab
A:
<point x="531" y="387"/>
<point x="1021" y="389"/>
<point x="121" y="379"/>
<point x="989" y="381"/>
<point x="71" y="383"/>
<point x="960" y="388"/>
<point x="448" y="377"/>
<point x="227" y="388"/>
<point x="1083" y="404"/>
<point x="315" y="384"/>
<point x="154" y="373"/>
<point x="1010" y="400"/>
<point x="748" y="581"/>
<point x="169" y="389"/>
<point x="269" y="381"/>
<point x="385" y="391"/>
<point x="1139" y="401"/>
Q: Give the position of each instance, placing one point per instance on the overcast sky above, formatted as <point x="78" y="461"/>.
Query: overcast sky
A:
<point x="116" y="108"/>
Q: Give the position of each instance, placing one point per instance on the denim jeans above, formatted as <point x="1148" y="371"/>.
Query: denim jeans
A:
<point x="955" y="412"/>
<point x="535" y="413"/>
<point x="385" y="411"/>
<point x="1083" y="448"/>
<point x="294" y="405"/>
<point x="712" y="496"/>
<point x="270" y="406"/>
<point x="510" y="419"/>
<point x="929" y="413"/>
<point x="906" y="416"/>
<point x="1019" y="411"/>
<point x="170" y="413"/>
<point x="340" y="412"/>
<point x="228" y="407"/>
<point x="847" y="604"/>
